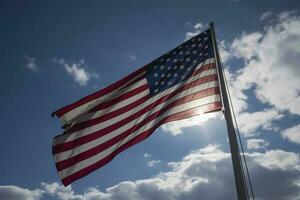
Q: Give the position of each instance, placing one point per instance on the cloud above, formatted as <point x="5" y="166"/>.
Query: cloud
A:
<point x="151" y="162"/>
<point x="292" y="134"/>
<point x="31" y="63"/>
<point x="250" y="122"/>
<point x="176" y="128"/>
<point x="224" y="52"/>
<point x="60" y="192"/>
<point x="78" y="71"/>
<point x="265" y="15"/>
<point x="271" y="58"/>
<point x="11" y="192"/>
<point x="132" y="57"/>
<point x="205" y="172"/>
<point x="197" y="28"/>
<point x="147" y="155"/>
<point x="277" y="159"/>
<point x="257" y="144"/>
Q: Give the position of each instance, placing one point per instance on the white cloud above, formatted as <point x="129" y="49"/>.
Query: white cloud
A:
<point x="224" y="51"/>
<point x="151" y="162"/>
<point x="147" y="155"/>
<point x="247" y="46"/>
<point x="277" y="159"/>
<point x="257" y="144"/>
<point x="60" y="192"/>
<point x="78" y="71"/>
<point x="292" y="134"/>
<point x="250" y="122"/>
<point x="11" y="192"/>
<point x="205" y="172"/>
<point x="132" y="57"/>
<point x="265" y="15"/>
<point x="198" y="28"/>
<point x="271" y="70"/>
<point x="31" y="63"/>
<point x="272" y="58"/>
<point x="176" y="128"/>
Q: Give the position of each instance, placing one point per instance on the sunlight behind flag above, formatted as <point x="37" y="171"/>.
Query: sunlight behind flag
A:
<point x="180" y="84"/>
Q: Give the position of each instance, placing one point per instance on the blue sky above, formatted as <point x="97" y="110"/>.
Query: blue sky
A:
<point x="53" y="53"/>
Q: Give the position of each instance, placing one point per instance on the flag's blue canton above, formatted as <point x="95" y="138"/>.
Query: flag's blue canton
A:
<point x="179" y="64"/>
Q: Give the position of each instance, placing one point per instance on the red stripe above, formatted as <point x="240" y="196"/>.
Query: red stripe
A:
<point x="84" y="139"/>
<point x="128" y="107"/>
<point x="107" y="116"/>
<point x="119" y="99"/>
<point x="185" y="114"/>
<point x="121" y="83"/>
<point x="114" y="86"/>
<point x="91" y="152"/>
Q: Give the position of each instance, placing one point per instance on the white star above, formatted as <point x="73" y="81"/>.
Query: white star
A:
<point x="169" y="67"/>
<point x="189" y="69"/>
<point x="163" y="82"/>
<point x="175" y="67"/>
<point x="193" y="39"/>
<point x="180" y="47"/>
<point x="168" y="75"/>
<point x="187" y="53"/>
<point x="156" y="90"/>
<point x="155" y="67"/>
<point x="162" y="67"/>
<point x="162" y="75"/>
<point x="156" y="83"/>
<point x="181" y="66"/>
<point x="206" y="54"/>
<point x="199" y="39"/>
<point x="206" y="46"/>
<point x="174" y="52"/>
<point x="200" y="45"/>
<point x="205" y="38"/>
<point x="175" y="75"/>
<point x="193" y="45"/>
<point x="181" y="52"/>
<point x="168" y="59"/>
<point x="175" y="60"/>
<point x="169" y="83"/>
<point x="194" y="61"/>
<point x="155" y="75"/>
<point x="194" y="52"/>
<point x="162" y="59"/>
<point x="182" y="77"/>
<point x="188" y="59"/>
<point x="200" y="54"/>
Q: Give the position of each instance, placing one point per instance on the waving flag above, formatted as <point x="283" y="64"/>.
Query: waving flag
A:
<point x="180" y="84"/>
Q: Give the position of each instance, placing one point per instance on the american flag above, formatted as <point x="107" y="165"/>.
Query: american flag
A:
<point x="180" y="84"/>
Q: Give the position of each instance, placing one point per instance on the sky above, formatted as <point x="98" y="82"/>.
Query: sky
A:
<point x="53" y="53"/>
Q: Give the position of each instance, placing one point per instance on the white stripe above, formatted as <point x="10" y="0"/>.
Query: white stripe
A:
<point x="79" y="149"/>
<point x="87" y="162"/>
<point x="89" y="116"/>
<point x="72" y="114"/>
<point x="72" y="136"/>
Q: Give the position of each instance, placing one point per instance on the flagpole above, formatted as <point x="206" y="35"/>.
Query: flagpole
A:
<point x="240" y="182"/>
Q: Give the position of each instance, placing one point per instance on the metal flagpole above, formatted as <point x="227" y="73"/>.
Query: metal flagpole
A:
<point x="240" y="181"/>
